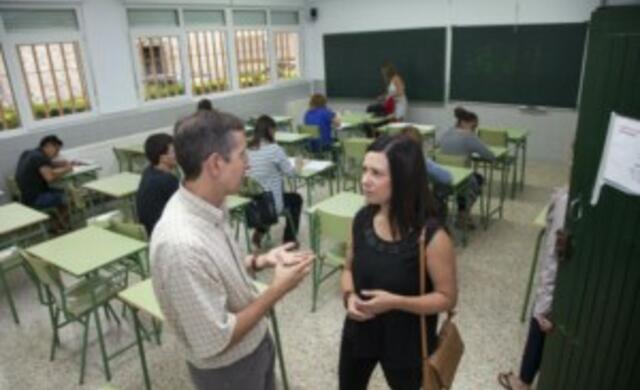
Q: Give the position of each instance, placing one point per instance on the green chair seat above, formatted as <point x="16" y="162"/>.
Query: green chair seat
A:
<point x="79" y="299"/>
<point x="10" y="258"/>
<point x="335" y="256"/>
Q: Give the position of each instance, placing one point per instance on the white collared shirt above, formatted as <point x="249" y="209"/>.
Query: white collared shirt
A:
<point x="200" y="281"/>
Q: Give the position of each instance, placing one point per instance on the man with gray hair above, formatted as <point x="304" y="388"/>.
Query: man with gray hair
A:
<point x="201" y="282"/>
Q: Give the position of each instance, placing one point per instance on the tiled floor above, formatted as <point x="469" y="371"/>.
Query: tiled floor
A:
<point x="492" y="273"/>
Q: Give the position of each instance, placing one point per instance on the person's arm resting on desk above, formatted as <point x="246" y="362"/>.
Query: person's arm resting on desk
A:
<point x="51" y="174"/>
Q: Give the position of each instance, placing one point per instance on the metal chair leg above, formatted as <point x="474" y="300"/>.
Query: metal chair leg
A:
<point x="103" y="350"/>
<point x="276" y="334"/>
<point x="7" y="290"/>
<point x="532" y="273"/>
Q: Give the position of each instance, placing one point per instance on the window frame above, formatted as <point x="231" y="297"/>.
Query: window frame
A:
<point x="224" y="30"/>
<point x="3" y="61"/>
<point x="288" y="29"/>
<point x="136" y="33"/>
<point x="269" y="48"/>
<point x="10" y="42"/>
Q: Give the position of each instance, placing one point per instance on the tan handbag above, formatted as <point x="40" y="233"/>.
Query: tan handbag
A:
<point x="438" y="370"/>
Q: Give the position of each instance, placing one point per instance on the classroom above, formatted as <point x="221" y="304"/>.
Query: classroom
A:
<point x="319" y="194"/>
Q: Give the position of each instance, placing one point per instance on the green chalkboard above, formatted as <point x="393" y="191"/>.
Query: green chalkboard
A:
<point x="353" y="62"/>
<point x="525" y="64"/>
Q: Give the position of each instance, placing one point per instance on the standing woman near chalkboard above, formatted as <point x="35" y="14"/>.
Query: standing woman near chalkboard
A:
<point x="395" y="90"/>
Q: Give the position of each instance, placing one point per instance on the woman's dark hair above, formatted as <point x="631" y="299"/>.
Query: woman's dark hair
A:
<point x="205" y="104"/>
<point x="411" y="200"/>
<point x="317" y="100"/>
<point x="462" y="115"/>
<point x="157" y="145"/>
<point x="262" y="130"/>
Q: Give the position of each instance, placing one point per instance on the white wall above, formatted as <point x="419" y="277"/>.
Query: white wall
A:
<point x="105" y="28"/>
<point x="551" y="130"/>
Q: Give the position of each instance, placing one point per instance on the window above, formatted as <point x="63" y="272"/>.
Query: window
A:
<point x="207" y="47"/>
<point x="208" y="62"/>
<point x="287" y="54"/>
<point x="159" y="59"/>
<point x="49" y="55"/>
<point x="9" y="118"/>
<point x="54" y="78"/>
<point x="252" y="59"/>
<point x="158" y="53"/>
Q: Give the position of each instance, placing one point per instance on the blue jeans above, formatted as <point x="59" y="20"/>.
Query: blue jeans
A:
<point x="49" y="199"/>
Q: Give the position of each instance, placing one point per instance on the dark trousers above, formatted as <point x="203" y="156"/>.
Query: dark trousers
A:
<point x="354" y="372"/>
<point x="293" y="204"/>
<point x="532" y="356"/>
<point x="254" y="372"/>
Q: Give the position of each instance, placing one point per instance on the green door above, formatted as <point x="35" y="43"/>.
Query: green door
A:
<point x="596" y="343"/>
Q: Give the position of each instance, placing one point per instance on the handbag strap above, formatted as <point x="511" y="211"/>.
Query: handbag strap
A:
<point x="423" y="276"/>
<point x="423" y="290"/>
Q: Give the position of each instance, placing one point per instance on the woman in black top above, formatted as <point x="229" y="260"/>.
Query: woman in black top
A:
<point x="380" y="281"/>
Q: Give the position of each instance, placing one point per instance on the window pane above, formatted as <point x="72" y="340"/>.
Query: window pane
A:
<point x="284" y="18"/>
<point x="152" y="18"/>
<point x="195" y="18"/>
<point x="54" y="77"/>
<point x="23" y="20"/>
<point x="208" y="62"/>
<point x="249" y="18"/>
<point x="159" y="58"/>
<point x="252" y="58"/>
<point x="9" y="118"/>
<point x="287" y="54"/>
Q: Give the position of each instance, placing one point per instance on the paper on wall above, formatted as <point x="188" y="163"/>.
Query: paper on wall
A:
<point x="620" y="163"/>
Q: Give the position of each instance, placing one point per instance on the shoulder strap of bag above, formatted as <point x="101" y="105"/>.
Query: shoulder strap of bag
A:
<point x="423" y="287"/>
<point x="423" y="275"/>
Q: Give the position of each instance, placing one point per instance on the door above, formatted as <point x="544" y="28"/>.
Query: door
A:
<point x="596" y="343"/>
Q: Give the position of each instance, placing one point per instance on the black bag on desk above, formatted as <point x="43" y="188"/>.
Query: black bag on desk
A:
<point x="377" y="109"/>
<point x="261" y="212"/>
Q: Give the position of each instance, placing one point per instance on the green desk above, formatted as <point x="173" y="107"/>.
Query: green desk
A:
<point x="19" y="223"/>
<point x="283" y="122"/>
<point x="312" y="171"/>
<point x="79" y="175"/>
<point x="291" y="142"/>
<point x="539" y="222"/>
<point x="141" y="298"/>
<point x="518" y="138"/>
<point x="350" y="122"/>
<point x="344" y="204"/>
<point x="122" y="187"/>
<point x="134" y="153"/>
<point x="501" y="155"/>
<point x="85" y="251"/>
<point x="459" y="186"/>
<point x="428" y="132"/>
<point x="237" y="209"/>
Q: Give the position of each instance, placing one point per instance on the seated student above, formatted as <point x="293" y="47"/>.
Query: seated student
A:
<point x="268" y="165"/>
<point x="38" y="168"/>
<point x="205" y="105"/>
<point x="540" y="324"/>
<point x="462" y="140"/>
<point x="319" y="115"/>
<point x="158" y="182"/>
